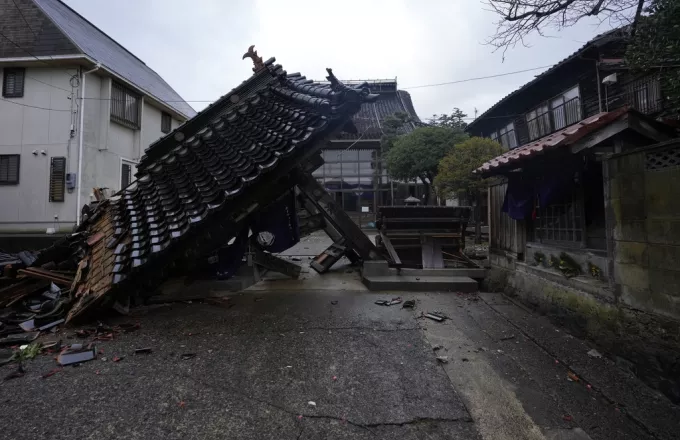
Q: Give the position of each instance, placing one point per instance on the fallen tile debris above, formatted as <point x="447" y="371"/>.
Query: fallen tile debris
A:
<point x="143" y="350"/>
<point x="435" y="317"/>
<point x="76" y="355"/>
<point x="594" y="353"/>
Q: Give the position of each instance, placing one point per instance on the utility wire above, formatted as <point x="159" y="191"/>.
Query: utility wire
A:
<point x="475" y="79"/>
<point x="24" y="18"/>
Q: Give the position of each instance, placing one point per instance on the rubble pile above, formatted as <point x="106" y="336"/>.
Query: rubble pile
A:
<point x="200" y="189"/>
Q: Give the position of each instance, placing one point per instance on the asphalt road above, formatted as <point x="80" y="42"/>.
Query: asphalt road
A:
<point x="262" y="358"/>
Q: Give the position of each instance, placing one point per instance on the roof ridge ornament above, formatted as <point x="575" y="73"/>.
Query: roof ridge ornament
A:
<point x="258" y="64"/>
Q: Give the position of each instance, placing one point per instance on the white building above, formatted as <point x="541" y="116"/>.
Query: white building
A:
<point x="77" y="111"/>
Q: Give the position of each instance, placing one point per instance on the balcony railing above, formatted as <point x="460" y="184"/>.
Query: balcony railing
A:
<point x="555" y="119"/>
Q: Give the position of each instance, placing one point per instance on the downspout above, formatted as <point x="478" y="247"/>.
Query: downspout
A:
<point x="599" y="86"/>
<point x="80" y="140"/>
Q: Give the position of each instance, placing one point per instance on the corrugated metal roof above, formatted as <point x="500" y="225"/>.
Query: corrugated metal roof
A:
<point x="105" y="50"/>
<point x="563" y="137"/>
<point x="595" y="41"/>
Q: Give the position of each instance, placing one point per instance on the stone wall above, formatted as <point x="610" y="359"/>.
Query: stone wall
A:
<point x="642" y="198"/>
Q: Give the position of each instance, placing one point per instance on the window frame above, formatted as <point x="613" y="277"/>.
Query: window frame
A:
<point x="57" y="194"/>
<point x="13" y="70"/>
<point x="506" y="133"/>
<point x="121" y="110"/>
<point x="536" y="121"/>
<point x="510" y="134"/>
<point x="8" y="157"/>
<point x="562" y="222"/>
<point x="133" y="167"/>
<point x="166" y="122"/>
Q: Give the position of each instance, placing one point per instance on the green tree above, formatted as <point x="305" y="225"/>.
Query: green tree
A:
<point x="455" y="120"/>
<point x="390" y="128"/>
<point x="657" y="44"/>
<point x="416" y="155"/>
<point x="456" y="172"/>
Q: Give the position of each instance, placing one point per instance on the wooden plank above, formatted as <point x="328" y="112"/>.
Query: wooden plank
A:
<point x="272" y="262"/>
<point x="390" y="249"/>
<point x="354" y="236"/>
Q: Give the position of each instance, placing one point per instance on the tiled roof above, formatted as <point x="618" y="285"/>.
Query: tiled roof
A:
<point x="369" y="119"/>
<point x="598" y="40"/>
<point x="196" y="187"/>
<point x="103" y="49"/>
<point x="564" y="137"/>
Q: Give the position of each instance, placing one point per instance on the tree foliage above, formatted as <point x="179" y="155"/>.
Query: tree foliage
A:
<point x="390" y="128"/>
<point x="520" y="18"/>
<point x="455" y="171"/>
<point x="456" y="120"/>
<point x="657" y="44"/>
<point x="416" y="155"/>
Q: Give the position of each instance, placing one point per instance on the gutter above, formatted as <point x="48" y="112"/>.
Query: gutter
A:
<point x="80" y="140"/>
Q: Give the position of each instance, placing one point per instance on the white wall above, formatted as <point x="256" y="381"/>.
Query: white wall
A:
<point x="26" y="207"/>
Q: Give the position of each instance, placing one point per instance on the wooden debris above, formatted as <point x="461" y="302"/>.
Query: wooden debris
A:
<point x="56" y="278"/>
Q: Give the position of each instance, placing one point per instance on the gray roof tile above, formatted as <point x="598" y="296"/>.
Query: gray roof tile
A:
<point x="104" y="49"/>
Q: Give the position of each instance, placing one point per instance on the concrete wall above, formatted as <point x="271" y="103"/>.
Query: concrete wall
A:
<point x="38" y="121"/>
<point x="644" y="207"/>
<point x="24" y="128"/>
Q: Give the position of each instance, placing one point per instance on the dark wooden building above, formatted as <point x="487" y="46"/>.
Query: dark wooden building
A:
<point x="582" y="206"/>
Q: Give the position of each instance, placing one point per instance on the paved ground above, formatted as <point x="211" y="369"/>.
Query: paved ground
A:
<point x="372" y="371"/>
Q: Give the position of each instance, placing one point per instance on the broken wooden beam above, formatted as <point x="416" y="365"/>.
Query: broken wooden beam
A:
<point x="272" y="262"/>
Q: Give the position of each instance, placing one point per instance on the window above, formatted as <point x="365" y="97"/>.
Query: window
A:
<point x="561" y="220"/>
<point x="507" y="136"/>
<point x="9" y="169"/>
<point x="645" y="94"/>
<point x="566" y="108"/>
<point x="13" y="82"/>
<point x="127" y="172"/>
<point x="559" y="112"/>
<point x="57" y="178"/>
<point x="125" y="105"/>
<point x="538" y="121"/>
<point x="494" y="136"/>
<point x="166" y="122"/>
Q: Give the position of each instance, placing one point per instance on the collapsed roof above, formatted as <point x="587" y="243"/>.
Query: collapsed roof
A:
<point x="197" y="186"/>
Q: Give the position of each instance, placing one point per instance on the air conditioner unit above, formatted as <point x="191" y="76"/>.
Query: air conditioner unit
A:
<point x="609" y="79"/>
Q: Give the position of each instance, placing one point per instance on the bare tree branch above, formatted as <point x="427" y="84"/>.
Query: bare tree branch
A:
<point x="520" y="18"/>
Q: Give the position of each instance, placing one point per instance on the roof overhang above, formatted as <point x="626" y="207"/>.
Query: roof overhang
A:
<point x="82" y="60"/>
<point x="591" y="133"/>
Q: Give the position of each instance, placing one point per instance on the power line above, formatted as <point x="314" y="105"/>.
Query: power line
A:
<point x="34" y="106"/>
<point x="24" y="18"/>
<point x="25" y="50"/>
<point x="475" y="79"/>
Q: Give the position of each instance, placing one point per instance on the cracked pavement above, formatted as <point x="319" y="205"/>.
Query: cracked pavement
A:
<point x="371" y="370"/>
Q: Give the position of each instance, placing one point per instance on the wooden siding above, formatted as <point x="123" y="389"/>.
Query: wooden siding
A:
<point x="505" y="233"/>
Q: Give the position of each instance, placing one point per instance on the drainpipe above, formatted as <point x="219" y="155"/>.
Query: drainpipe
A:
<point x="80" y="140"/>
<point x="599" y="86"/>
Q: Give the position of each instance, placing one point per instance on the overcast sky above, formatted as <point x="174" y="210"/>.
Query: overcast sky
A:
<point x="196" y="46"/>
